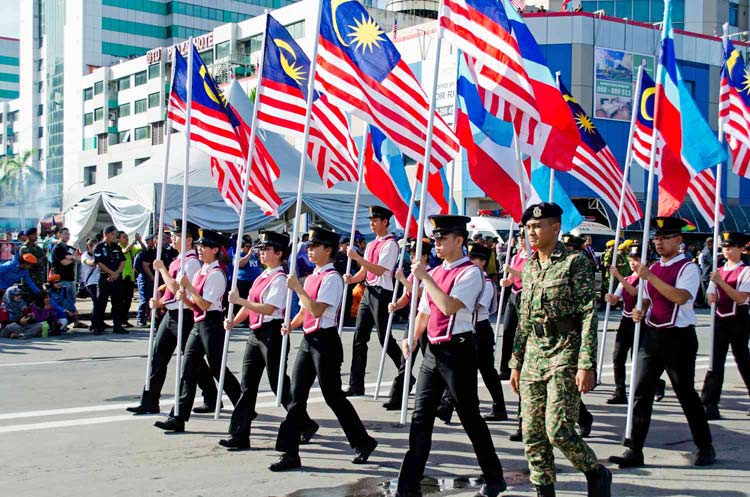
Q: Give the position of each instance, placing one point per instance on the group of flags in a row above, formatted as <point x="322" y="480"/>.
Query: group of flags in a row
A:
<point x="505" y="90"/>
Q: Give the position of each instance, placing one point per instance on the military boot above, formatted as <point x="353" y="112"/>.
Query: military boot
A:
<point x="599" y="482"/>
<point x="545" y="490"/>
<point x="618" y="397"/>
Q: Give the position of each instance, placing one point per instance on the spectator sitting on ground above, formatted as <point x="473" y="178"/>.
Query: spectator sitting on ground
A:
<point x="17" y="270"/>
<point x="49" y="315"/>
<point x="20" y="322"/>
<point x="60" y="299"/>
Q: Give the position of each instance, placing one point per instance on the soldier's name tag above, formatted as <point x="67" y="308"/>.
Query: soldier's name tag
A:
<point x="553" y="283"/>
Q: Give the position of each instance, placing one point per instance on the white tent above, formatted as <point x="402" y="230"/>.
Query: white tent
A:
<point x="130" y="201"/>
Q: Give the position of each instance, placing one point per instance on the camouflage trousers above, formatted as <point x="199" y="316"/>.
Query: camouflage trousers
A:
<point x="549" y="408"/>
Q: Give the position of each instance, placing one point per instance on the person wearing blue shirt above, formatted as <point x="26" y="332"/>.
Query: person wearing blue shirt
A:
<point x="16" y="270"/>
<point x="249" y="266"/>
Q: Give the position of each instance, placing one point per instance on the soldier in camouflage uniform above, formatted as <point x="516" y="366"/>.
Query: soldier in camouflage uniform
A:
<point x="554" y="353"/>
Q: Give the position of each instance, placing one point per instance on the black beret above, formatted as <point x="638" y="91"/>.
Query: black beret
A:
<point x="444" y="224"/>
<point x="667" y="225"/>
<point x="542" y="210"/>
<point x="573" y="241"/>
<point x="380" y="212"/>
<point x="107" y="230"/>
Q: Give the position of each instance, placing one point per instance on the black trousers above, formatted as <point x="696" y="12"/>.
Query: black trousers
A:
<point x="623" y="344"/>
<point x="262" y="352"/>
<point x="320" y="356"/>
<point x="673" y="350"/>
<point x="206" y="340"/>
<point x="165" y="342"/>
<point x="109" y="290"/>
<point x="509" y="330"/>
<point x="452" y="364"/>
<point x="728" y="331"/>
<point x="373" y="311"/>
<point x="127" y="289"/>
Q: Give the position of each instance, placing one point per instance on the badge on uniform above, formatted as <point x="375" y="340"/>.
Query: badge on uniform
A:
<point x="537" y="211"/>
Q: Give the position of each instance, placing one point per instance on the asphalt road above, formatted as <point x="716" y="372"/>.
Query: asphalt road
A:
<point x="64" y="431"/>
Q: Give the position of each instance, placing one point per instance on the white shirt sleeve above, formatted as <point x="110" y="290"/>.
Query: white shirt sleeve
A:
<point x="331" y="290"/>
<point x="467" y="288"/>
<point x="214" y="288"/>
<point x="388" y="255"/>
<point x="276" y="293"/>
<point x="424" y="306"/>
<point x="690" y="280"/>
<point x="619" y="290"/>
<point x="192" y="266"/>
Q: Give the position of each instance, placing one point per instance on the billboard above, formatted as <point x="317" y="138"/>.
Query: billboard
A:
<point x="615" y="74"/>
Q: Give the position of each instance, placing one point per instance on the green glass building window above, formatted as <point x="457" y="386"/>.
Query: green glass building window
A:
<point x="222" y="50"/>
<point x="98" y="87"/>
<point x="123" y="136"/>
<point x="141" y="160"/>
<point x="123" y="110"/>
<point x="143" y="133"/>
<point x="140" y="106"/>
<point x="208" y="57"/>
<point x="98" y="114"/>
<point x="153" y="100"/>
<point x="123" y="83"/>
<point x="88" y="119"/>
<point x="153" y="71"/>
<point x="140" y="78"/>
<point x="88" y="94"/>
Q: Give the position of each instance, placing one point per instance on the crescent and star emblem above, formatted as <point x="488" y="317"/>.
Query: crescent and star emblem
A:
<point x="203" y="72"/>
<point x="335" y="4"/>
<point x="647" y="93"/>
<point x="289" y="66"/>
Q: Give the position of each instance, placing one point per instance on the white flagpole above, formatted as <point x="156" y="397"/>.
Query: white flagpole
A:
<point x="360" y="179"/>
<point x="618" y="229"/>
<point x="394" y="297"/>
<point x="159" y="241"/>
<point x="298" y="206"/>
<point x="183" y="234"/>
<point x="451" y="189"/>
<point x="717" y="209"/>
<point x="499" y="320"/>
<point x="644" y="260"/>
<point x="243" y="213"/>
<point x="422" y="216"/>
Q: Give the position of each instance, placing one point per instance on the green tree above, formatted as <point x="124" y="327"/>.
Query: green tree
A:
<point x="16" y="175"/>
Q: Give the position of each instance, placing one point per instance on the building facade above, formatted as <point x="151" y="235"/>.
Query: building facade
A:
<point x="8" y="68"/>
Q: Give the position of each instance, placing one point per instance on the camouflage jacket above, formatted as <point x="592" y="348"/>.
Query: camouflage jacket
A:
<point x="557" y="324"/>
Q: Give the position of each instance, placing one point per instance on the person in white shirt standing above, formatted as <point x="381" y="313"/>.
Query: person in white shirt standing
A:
<point x="376" y="270"/>
<point x="729" y="290"/>
<point x="203" y="294"/>
<point x="320" y="355"/>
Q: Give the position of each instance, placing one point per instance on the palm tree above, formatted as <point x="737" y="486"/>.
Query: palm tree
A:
<point x="16" y="173"/>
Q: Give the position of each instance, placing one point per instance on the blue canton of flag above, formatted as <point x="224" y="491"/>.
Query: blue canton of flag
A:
<point x="734" y="108"/>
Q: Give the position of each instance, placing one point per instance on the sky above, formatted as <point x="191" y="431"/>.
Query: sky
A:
<point x="9" y="19"/>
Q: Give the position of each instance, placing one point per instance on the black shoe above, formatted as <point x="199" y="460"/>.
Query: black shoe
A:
<point x="285" y="463"/>
<point x="445" y="415"/>
<point x="120" y="331"/>
<point x="545" y="490"/>
<point x="631" y="458"/>
<point x="496" y="416"/>
<point x="504" y="375"/>
<point x="137" y="410"/>
<point x="97" y="332"/>
<point x="660" y="390"/>
<point x="306" y="435"/>
<point x="235" y="442"/>
<point x="354" y="392"/>
<point x="618" y="398"/>
<point x="492" y="489"/>
<point x="712" y="413"/>
<point x="408" y="493"/>
<point x="704" y="457"/>
<point x="585" y="426"/>
<point x="516" y="437"/>
<point x="205" y="409"/>
<point x="599" y="482"/>
<point x="127" y="324"/>
<point x="392" y="405"/>
<point x="363" y="453"/>
<point x="171" y="424"/>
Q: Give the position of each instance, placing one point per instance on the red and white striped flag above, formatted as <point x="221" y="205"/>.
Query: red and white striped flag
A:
<point x="518" y="4"/>
<point x="734" y="108"/>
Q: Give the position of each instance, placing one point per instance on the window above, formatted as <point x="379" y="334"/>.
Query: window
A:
<point x="123" y="136"/>
<point x="123" y="83"/>
<point x="297" y="29"/>
<point x="141" y="160"/>
<point x="98" y="114"/>
<point x="140" y="106"/>
<point x="89" y="143"/>
<point x="114" y="169"/>
<point x="222" y="50"/>
<point x="89" y="175"/>
<point x="208" y="57"/>
<point x="113" y="138"/>
<point x="140" y="78"/>
<point x="39" y="110"/>
<point x="143" y="133"/>
<point x="733" y="13"/>
<point x="102" y="144"/>
<point x="253" y="44"/>
<point x="88" y="94"/>
<point x="123" y="110"/>
<point x="157" y="134"/>
<point x="98" y="87"/>
<point x="153" y="71"/>
<point x="88" y="119"/>
<point x="40" y="132"/>
<point x="153" y="100"/>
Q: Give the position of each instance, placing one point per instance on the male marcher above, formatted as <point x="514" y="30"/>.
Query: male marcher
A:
<point x="110" y="261"/>
<point x="37" y="271"/>
<point x="554" y="353"/>
<point x="63" y="263"/>
<point x="143" y="267"/>
<point x="667" y="341"/>
<point x="729" y="290"/>
<point x="446" y="309"/>
<point x="376" y="270"/>
<point x="165" y="339"/>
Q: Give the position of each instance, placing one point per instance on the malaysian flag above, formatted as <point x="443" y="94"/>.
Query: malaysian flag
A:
<point x="518" y="4"/>
<point x="734" y="108"/>
<point x="596" y="167"/>
<point x="702" y="187"/>
<point x="217" y="129"/>
<point x="361" y="71"/>
<point x="283" y="107"/>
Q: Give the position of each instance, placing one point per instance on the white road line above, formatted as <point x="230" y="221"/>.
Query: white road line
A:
<point x="73" y="361"/>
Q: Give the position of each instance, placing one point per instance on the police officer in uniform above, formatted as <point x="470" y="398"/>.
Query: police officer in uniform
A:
<point x="376" y="270"/>
<point x="110" y="260"/>
<point x="667" y="342"/>
<point x="446" y="308"/>
<point x="165" y="340"/>
<point x="320" y="355"/>
<point x="264" y="308"/>
<point x="729" y="290"/>
<point x="203" y="294"/>
<point x="554" y="353"/>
